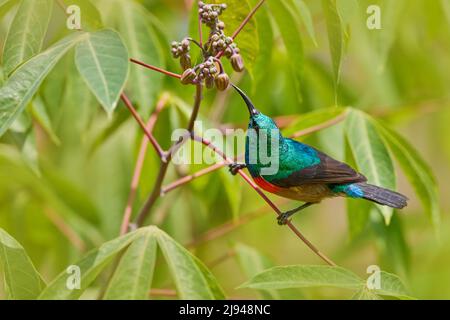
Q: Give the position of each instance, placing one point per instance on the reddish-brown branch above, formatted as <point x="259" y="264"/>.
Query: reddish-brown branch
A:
<point x="189" y="178"/>
<point x="243" y="24"/>
<point x="269" y="202"/>
<point x="148" y="66"/>
<point x="139" y="165"/>
<point x="141" y="123"/>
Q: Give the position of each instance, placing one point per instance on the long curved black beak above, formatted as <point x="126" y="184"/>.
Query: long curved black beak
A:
<point x="251" y="108"/>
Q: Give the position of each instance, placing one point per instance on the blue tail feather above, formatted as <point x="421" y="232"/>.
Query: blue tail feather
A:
<point x="383" y="196"/>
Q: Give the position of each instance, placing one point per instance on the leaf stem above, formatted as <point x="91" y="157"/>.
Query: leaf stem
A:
<point x="149" y="66"/>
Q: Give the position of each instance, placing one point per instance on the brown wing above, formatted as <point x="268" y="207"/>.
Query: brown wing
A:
<point x="328" y="171"/>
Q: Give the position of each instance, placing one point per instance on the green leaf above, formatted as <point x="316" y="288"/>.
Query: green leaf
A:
<point x="40" y="114"/>
<point x="247" y="40"/>
<point x="3" y="2"/>
<point x="313" y="119"/>
<point x="347" y="10"/>
<point x="417" y="171"/>
<point x="265" y="35"/>
<point x="358" y="212"/>
<point x="5" y="6"/>
<point x="392" y="247"/>
<point x="446" y="7"/>
<point x="290" y="32"/>
<point x="370" y="154"/>
<point x="307" y="19"/>
<point x="335" y="36"/>
<point x="253" y="262"/>
<point x="391" y="285"/>
<point x="365" y="294"/>
<point x="25" y="81"/>
<point x="77" y="109"/>
<point x="392" y="13"/>
<point x="232" y="188"/>
<point x="192" y="279"/>
<point x="134" y="25"/>
<point x="133" y="276"/>
<point x="22" y="280"/>
<point x="90" y="266"/>
<point x="27" y="32"/>
<point x="102" y="60"/>
<point x="304" y="276"/>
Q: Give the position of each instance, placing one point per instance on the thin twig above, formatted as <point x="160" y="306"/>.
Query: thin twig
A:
<point x="182" y="181"/>
<point x="139" y="165"/>
<point x="242" y="25"/>
<point x="149" y="66"/>
<point x="141" y="123"/>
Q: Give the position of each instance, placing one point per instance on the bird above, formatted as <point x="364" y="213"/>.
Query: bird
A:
<point x="304" y="173"/>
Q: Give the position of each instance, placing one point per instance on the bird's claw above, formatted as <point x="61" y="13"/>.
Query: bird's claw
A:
<point x="283" y="218"/>
<point x="235" y="167"/>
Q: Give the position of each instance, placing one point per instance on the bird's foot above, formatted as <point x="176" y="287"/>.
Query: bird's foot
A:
<point x="235" y="167"/>
<point x="283" y="218"/>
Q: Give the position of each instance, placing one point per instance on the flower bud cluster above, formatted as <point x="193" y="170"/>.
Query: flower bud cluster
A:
<point x="210" y="71"/>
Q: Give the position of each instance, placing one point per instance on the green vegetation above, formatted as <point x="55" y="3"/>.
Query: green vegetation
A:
<point x="86" y="181"/>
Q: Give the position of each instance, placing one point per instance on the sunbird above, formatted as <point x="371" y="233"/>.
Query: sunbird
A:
<point x="304" y="173"/>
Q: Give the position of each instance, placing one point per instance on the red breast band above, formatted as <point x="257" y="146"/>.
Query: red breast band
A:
<point x="263" y="184"/>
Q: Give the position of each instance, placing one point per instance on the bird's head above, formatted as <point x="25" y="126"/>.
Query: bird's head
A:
<point x="257" y="119"/>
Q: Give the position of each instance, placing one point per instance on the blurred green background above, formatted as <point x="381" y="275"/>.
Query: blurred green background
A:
<point x="66" y="167"/>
